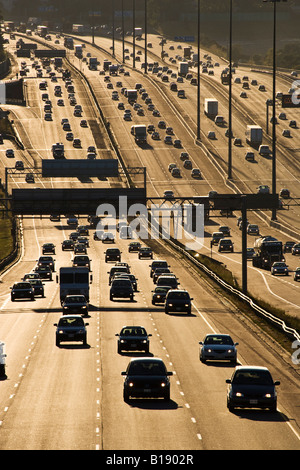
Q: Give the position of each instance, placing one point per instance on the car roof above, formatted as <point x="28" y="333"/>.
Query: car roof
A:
<point x="251" y="367"/>
<point x="146" y="359"/>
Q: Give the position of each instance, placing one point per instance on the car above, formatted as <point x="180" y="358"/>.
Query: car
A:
<point x="184" y="156"/>
<point x="158" y="272"/>
<point x="250" y="253"/>
<point x="297" y="274"/>
<point x="107" y="237"/>
<point x="38" y="287"/>
<point x="29" y="178"/>
<point x="83" y="230"/>
<point x="252" y="387"/>
<point x="249" y="156"/>
<point x="29" y="276"/>
<point x="282" y="116"/>
<point x="46" y="260"/>
<point x="293" y="124"/>
<point x="48" y="117"/>
<point x="225" y="244"/>
<point x="159" y="294"/>
<point x="67" y="245"/>
<point x="155" y="135"/>
<point x="168" y="194"/>
<point x="133" y="338"/>
<point x="126" y="232"/>
<point x="169" y="280"/>
<point x="84" y="240"/>
<point x="80" y="248"/>
<point x="196" y="173"/>
<point x="134" y="247"/>
<point x="168" y="140"/>
<point x="77" y="143"/>
<point x="252" y="229"/>
<point x="211" y="135"/>
<point x="219" y="347"/>
<point x="48" y="248"/>
<point x="175" y="172"/>
<point x="225" y="230"/>
<point x="131" y="277"/>
<point x="285" y="193"/>
<point x="264" y="150"/>
<point x="296" y="249"/>
<point x="83" y="123"/>
<point x="287" y="247"/>
<point x="178" y="300"/>
<point x="157" y="264"/>
<point x="127" y="117"/>
<point x="279" y="267"/>
<point x="67" y="127"/>
<point x="121" y="288"/>
<point x="216" y="237"/>
<point x="263" y="189"/>
<point x="112" y="254"/>
<point x="146" y="377"/>
<point x="60" y="102"/>
<point x="121" y="269"/>
<point x="238" y="142"/>
<point x="82" y="260"/>
<point x="75" y="304"/>
<point x="262" y="88"/>
<point x="55" y="218"/>
<point x="286" y="133"/>
<point x="19" y="165"/>
<point x="69" y="136"/>
<point x="171" y="166"/>
<point x="22" y="290"/>
<point x="188" y="164"/>
<point x="161" y="124"/>
<point x="71" y="328"/>
<point x="72" y="221"/>
<point x="145" y="252"/>
<point x="44" y="272"/>
<point x="219" y="120"/>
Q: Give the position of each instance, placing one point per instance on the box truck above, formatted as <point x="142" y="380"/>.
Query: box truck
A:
<point x="211" y="107"/>
<point x="254" y="135"/>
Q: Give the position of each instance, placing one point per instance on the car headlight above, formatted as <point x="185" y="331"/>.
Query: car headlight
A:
<point x="209" y="350"/>
<point x="163" y="384"/>
<point x="61" y="332"/>
<point x="239" y="394"/>
<point x="131" y="384"/>
<point x="268" y="395"/>
<point x="230" y="351"/>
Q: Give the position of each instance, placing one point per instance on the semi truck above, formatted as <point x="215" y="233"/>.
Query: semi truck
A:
<point x="73" y="281"/>
<point x="58" y="62"/>
<point x="254" y="135"/>
<point x="211" y="106"/>
<point x="138" y="32"/>
<point x="268" y="250"/>
<point x="58" y="150"/>
<point x="140" y="133"/>
<point x="187" y="52"/>
<point x="183" y="69"/>
<point x="69" y="43"/>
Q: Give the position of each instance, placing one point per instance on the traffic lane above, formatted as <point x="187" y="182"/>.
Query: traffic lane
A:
<point x="177" y="330"/>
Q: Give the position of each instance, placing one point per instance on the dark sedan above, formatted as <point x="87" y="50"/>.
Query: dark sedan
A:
<point x="146" y="377"/>
<point x="71" y="328"/>
<point x="22" y="290"/>
<point x="44" y="272"/>
<point x="67" y="245"/>
<point x="38" y="287"/>
<point x="75" y="304"/>
<point x="251" y="387"/>
<point x="48" y="248"/>
<point x="133" y="338"/>
<point x="159" y="295"/>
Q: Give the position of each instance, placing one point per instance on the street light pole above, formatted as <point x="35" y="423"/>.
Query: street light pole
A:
<point x="113" y="28"/>
<point x="274" y="103"/>
<point x="123" y="43"/>
<point x="229" y="175"/>
<point x="146" y="21"/>
<point x="198" y="74"/>
<point x="133" y="31"/>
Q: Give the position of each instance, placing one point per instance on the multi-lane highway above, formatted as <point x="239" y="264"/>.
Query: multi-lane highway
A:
<point x="71" y="397"/>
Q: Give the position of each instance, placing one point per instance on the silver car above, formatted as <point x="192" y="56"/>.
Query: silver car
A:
<point x="218" y="347"/>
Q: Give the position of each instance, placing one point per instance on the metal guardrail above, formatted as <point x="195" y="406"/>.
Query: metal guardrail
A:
<point x="264" y="313"/>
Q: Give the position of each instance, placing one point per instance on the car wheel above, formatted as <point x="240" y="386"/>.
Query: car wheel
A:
<point x="84" y="341"/>
<point x="111" y="297"/>
<point x="119" y="349"/>
<point x="131" y="298"/>
<point x="12" y="298"/>
<point x="230" y="407"/>
<point x="57" y="343"/>
<point x="167" y="396"/>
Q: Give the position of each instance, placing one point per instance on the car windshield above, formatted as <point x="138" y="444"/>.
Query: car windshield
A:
<point x="22" y="285"/>
<point x="279" y="265"/>
<point x="218" y="339"/>
<point x="36" y="282"/>
<point x="75" y="299"/>
<point x="147" y="368"/>
<point x="121" y="283"/>
<point x="252" y="377"/>
<point x="72" y="321"/>
<point x="133" y="331"/>
<point x="161" y="290"/>
<point x="179" y="295"/>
